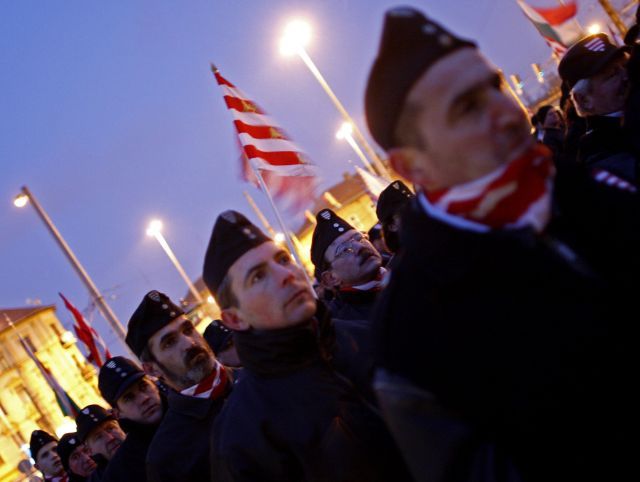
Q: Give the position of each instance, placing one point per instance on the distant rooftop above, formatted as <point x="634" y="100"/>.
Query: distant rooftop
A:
<point x="18" y="314"/>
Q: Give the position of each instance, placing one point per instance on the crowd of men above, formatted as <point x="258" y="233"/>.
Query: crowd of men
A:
<point x="488" y="338"/>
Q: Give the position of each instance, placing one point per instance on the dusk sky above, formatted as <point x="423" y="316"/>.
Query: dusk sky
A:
<point x="110" y="115"/>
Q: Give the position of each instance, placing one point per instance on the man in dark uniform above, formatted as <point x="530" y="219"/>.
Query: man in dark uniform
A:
<point x="290" y="417"/>
<point x="347" y="263"/>
<point x="389" y="208"/>
<point x="76" y="458"/>
<point x="502" y="306"/>
<point x="43" y="451"/>
<point x="136" y="401"/>
<point x="170" y="348"/>
<point x="99" y="430"/>
<point x="596" y="72"/>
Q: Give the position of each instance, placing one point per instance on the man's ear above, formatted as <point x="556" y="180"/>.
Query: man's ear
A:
<point x="150" y="368"/>
<point x="232" y="320"/>
<point x="582" y="102"/>
<point x="329" y="280"/>
<point x="410" y="164"/>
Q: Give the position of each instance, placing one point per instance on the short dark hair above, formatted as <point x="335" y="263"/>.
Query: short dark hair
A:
<point x="225" y="296"/>
<point x="146" y="355"/>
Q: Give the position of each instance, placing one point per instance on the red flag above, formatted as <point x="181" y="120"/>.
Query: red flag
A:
<point x="559" y="14"/>
<point x="289" y="176"/>
<point x="98" y="351"/>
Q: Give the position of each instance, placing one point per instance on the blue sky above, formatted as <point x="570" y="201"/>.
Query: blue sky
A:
<point x="111" y="116"/>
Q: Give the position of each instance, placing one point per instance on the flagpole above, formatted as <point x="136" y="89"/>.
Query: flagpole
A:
<point x="336" y="102"/>
<point x="285" y="231"/>
<point x="32" y="356"/>
<point x="261" y="216"/>
<point x="613" y="15"/>
<point x="104" y="308"/>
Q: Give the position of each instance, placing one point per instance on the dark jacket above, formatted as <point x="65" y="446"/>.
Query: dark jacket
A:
<point x="353" y="305"/>
<point x="523" y="335"/>
<point x="129" y="462"/>
<point x="606" y="146"/>
<point x="291" y="418"/>
<point x="179" y="450"/>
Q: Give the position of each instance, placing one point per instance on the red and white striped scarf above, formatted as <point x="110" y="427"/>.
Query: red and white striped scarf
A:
<point x="515" y="195"/>
<point x="212" y="386"/>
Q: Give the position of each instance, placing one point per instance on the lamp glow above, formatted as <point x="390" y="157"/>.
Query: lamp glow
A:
<point x="20" y="200"/>
<point x="594" y="28"/>
<point x="278" y="238"/>
<point x="345" y="131"/>
<point x="154" y="228"/>
<point x="297" y="35"/>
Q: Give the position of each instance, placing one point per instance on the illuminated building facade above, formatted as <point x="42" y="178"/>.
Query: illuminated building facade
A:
<point x="26" y="400"/>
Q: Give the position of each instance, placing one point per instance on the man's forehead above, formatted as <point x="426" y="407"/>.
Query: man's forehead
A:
<point x="168" y="328"/>
<point x="452" y="75"/>
<point x="340" y="239"/>
<point x="248" y="260"/>
<point x="48" y="447"/>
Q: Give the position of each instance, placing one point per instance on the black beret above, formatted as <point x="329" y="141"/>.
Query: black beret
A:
<point x="218" y="336"/>
<point x="232" y="236"/>
<point x="66" y="445"/>
<point x="392" y="199"/>
<point x="410" y="44"/>
<point x="155" y="311"/>
<point x="39" y="438"/>
<point x="116" y="375"/>
<point x="89" y="418"/>
<point x="587" y="57"/>
<point x="328" y="227"/>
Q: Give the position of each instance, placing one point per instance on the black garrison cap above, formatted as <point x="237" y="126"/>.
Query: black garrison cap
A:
<point x="39" y="438"/>
<point x="329" y="226"/>
<point x="116" y="375"/>
<point x="89" y="418"/>
<point x="411" y="43"/>
<point x="233" y="235"/>
<point x="154" y="312"/>
<point x="66" y="445"/>
<point x="587" y="57"/>
<point x="392" y="199"/>
<point x="218" y="336"/>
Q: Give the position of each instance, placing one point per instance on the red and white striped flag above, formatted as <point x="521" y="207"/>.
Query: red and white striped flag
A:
<point x="291" y="179"/>
<point x="98" y="351"/>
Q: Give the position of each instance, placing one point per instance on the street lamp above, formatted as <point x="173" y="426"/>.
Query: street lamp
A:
<point x="155" y="230"/>
<point x="594" y="28"/>
<point x="345" y="132"/>
<point x="297" y="35"/>
<point x="21" y="200"/>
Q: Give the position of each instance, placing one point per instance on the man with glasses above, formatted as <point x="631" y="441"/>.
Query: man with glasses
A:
<point x="348" y="264"/>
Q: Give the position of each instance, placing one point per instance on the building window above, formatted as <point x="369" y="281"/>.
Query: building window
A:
<point x="56" y="329"/>
<point x="4" y="362"/>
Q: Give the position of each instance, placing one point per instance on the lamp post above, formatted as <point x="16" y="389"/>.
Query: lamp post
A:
<point x="296" y="35"/>
<point x="22" y="200"/>
<point x="345" y="132"/>
<point x="155" y="230"/>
